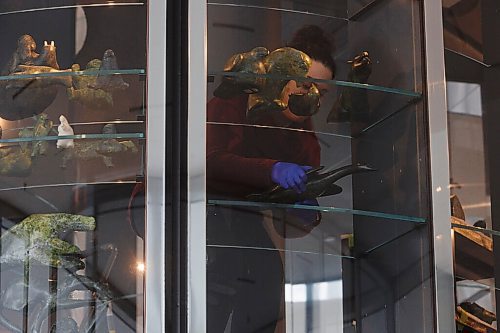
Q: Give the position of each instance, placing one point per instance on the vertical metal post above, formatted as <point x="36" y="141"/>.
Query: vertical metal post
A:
<point x="439" y="163"/>
<point x="155" y="177"/>
<point x="197" y="87"/>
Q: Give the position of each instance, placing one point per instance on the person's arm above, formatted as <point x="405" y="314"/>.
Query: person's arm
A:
<point x="226" y="160"/>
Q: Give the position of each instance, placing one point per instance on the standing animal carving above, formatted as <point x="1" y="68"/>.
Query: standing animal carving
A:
<point x="28" y="248"/>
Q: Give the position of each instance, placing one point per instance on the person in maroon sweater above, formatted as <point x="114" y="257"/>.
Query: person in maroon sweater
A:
<point x="244" y="271"/>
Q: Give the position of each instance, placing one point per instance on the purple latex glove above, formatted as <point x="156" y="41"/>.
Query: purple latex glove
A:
<point x="290" y="175"/>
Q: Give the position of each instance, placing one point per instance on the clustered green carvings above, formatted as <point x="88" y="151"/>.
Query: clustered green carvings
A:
<point x="28" y="93"/>
<point x="33" y="244"/>
<point x="98" y="149"/>
<point x="36" y="239"/>
<point x="82" y="90"/>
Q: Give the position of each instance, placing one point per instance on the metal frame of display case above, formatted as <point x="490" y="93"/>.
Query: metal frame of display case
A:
<point x="154" y="314"/>
<point x="196" y="238"/>
<point x="439" y="174"/>
<point x="439" y="164"/>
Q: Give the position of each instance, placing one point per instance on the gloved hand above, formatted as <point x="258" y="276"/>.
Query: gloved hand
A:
<point x="290" y="175"/>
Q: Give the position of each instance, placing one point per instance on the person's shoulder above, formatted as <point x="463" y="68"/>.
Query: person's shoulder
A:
<point x="232" y="108"/>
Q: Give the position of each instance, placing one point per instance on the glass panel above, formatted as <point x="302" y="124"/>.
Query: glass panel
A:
<point x="9" y="7"/>
<point x="317" y="216"/>
<point x="72" y="138"/>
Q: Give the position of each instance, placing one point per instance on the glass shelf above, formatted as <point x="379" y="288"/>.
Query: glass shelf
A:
<point x="335" y="235"/>
<point x="76" y="137"/>
<point x="285" y="251"/>
<point x="16" y="7"/>
<point x="383" y="103"/>
<point x="321" y="8"/>
<point x="267" y="205"/>
<point x="478" y="229"/>
<point x="95" y="159"/>
<point x="345" y="10"/>
<point x="73" y="73"/>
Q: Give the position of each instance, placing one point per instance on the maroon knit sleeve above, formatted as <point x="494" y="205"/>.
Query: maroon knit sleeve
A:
<point x="226" y="161"/>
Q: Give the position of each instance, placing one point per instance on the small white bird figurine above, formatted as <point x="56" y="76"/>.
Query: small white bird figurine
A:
<point x="64" y="129"/>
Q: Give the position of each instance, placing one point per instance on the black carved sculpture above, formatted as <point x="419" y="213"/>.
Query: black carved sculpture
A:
<point x="319" y="184"/>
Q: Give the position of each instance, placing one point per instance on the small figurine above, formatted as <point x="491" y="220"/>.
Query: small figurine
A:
<point x="249" y="65"/>
<point x="284" y="64"/>
<point x="107" y="81"/>
<point x="98" y="149"/>
<point x="64" y="129"/>
<point x="48" y="56"/>
<point x="42" y="127"/>
<point x="319" y="184"/>
<point x="352" y="104"/>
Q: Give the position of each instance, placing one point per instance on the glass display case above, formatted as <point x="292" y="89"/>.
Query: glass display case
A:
<point x="318" y="182"/>
<point x="472" y="79"/>
<point x="73" y="165"/>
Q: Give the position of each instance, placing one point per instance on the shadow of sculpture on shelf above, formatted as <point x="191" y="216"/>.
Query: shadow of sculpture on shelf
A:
<point x="102" y="149"/>
<point x="319" y="184"/>
<point x="36" y="260"/>
<point x="93" y="89"/>
<point x="267" y="77"/>
<point x="26" y="93"/>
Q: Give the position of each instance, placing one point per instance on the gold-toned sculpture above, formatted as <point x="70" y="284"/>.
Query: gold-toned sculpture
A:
<point x="267" y="77"/>
<point x="282" y="65"/>
<point x="27" y="93"/>
<point x="246" y="67"/>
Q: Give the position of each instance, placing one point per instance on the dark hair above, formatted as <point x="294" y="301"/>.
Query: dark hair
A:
<point x="313" y="41"/>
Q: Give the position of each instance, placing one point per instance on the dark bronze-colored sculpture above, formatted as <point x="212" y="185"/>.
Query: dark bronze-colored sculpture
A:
<point x="352" y="104"/>
<point x="98" y="149"/>
<point x="319" y="184"/>
<point x="25" y="54"/>
<point x="109" y="82"/>
<point x="284" y="64"/>
<point x="23" y="97"/>
<point x="306" y="104"/>
<point x="81" y="90"/>
<point x="250" y="65"/>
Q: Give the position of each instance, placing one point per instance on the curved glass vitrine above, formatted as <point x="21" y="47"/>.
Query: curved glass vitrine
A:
<point x="72" y="155"/>
<point x="351" y="252"/>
